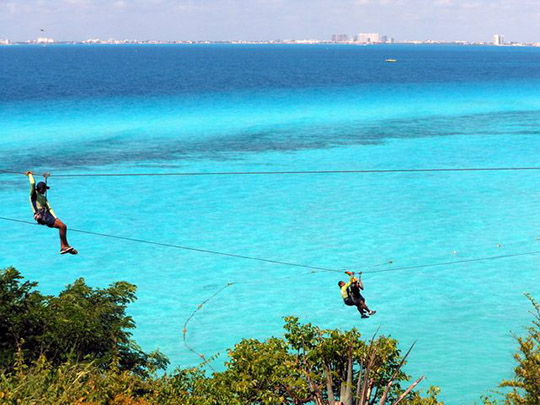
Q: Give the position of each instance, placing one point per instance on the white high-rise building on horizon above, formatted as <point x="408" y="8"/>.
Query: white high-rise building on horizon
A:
<point x="498" y="39"/>
<point x="43" y="40"/>
<point x="368" y="38"/>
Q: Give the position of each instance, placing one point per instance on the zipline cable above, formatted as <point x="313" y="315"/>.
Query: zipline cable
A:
<point x="445" y="254"/>
<point x="314" y="269"/>
<point x="279" y="262"/>
<point x="293" y="172"/>
<point x="184" y="329"/>
<point x="206" y="360"/>
<point x="222" y="288"/>
<point x="170" y="245"/>
<point x="480" y="259"/>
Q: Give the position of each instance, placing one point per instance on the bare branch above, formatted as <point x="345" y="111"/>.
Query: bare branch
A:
<point x="411" y="387"/>
<point x="394" y="375"/>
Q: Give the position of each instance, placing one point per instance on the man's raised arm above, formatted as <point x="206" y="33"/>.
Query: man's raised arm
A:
<point x="32" y="190"/>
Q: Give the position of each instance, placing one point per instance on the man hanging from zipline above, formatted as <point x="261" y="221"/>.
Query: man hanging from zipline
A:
<point x="44" y="214"/>
<point x="350" y="292"/>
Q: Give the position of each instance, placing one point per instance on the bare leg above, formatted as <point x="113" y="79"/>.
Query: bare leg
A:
<point x="63" y="233"/>
<point x="363" y="305"/>
<point x="360" y="308"/>
<point x="362" y="311"/>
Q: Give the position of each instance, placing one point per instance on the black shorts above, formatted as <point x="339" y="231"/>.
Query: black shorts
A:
<point x="44" y="217"/>
<point x="353" y="300"/>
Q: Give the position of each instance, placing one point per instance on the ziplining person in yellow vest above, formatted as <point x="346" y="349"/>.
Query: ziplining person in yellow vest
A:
<point x="44" y="214"/>
<point x="350" y="292"/>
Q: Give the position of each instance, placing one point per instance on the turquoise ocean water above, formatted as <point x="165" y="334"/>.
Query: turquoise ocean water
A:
<point x="263" y="108"/>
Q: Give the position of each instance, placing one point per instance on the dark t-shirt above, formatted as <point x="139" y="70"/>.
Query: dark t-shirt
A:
<point x="354" y="291"/>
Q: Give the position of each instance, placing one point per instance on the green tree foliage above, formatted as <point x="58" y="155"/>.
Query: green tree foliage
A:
<point x="77" y="349"/>
<point x="81" y="324"/>
<point x="525" y="385"/>
<point x="21" y="310"/>
<point x="311" y="365"/>
<point x="269" y="372"/>
<point x="71" y="383"/>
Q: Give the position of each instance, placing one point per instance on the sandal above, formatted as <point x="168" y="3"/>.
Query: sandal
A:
<point x="69" y="250"/>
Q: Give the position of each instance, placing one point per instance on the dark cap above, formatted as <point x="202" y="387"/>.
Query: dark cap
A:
<point x="42" y="186"/>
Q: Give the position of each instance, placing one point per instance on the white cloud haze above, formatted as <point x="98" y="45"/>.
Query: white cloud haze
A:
<point x="518" y="20"/>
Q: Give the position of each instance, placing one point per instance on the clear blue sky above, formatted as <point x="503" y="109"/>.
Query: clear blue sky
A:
<point x="475" y="20"/>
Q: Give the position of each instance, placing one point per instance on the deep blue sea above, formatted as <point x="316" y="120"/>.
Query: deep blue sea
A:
<point x="158" y="109"/>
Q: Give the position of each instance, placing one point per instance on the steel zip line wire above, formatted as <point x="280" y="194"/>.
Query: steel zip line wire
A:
<point x="479" y="259"/>
<point x="315" y="268"/>
<point x="188" y="320"/>
<point x="293" y="172"/>
<point x="171" y="245"/>
<point x="227" y="285"/>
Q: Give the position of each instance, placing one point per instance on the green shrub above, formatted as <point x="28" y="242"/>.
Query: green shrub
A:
<point x="81" y="324"/>
<point x="525" y="385"/>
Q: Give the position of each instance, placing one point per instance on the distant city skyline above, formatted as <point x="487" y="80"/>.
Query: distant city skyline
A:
<point x="360" y="39"/>
<point x="265" y="20"/>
